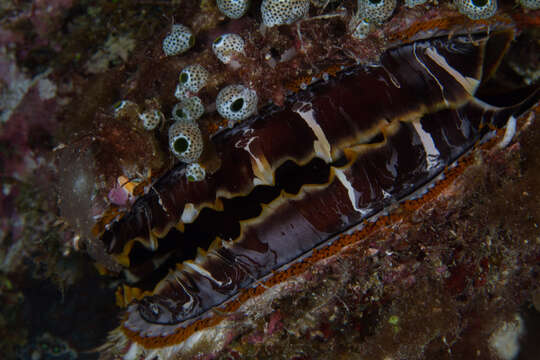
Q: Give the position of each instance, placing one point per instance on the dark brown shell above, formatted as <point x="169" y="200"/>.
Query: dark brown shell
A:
<point x="337" y="153"/>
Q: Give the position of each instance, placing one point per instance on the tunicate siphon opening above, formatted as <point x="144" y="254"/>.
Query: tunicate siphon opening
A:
<point x="181" y="145"/>
<point x="480" y="3"/>
<point x="237" y="105"/>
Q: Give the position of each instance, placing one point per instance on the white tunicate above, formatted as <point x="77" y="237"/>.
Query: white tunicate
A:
<point x="195" y="172"/>
<point x="179" y="40"/>
<point x="185" y="141"/>
<point x="193" y="78"/>
<point x="151" y="119"/>
<point x="477" y="9"/>
<point x="228" y="45"/>
<point x="376" y="11"/>
<point x="190" y="109"/>
<point x="282" y="12"/>
<point x="233" y="9"/>
<point x="236" y="102"/>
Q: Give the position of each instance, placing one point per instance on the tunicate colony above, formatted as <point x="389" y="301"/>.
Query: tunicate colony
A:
<point x="237" y="102"/>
